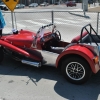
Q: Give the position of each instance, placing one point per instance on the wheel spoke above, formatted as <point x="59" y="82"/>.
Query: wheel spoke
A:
<point x="70" y="72"/>
<point x="81" y="73"/>
<point x="80" y="68"/>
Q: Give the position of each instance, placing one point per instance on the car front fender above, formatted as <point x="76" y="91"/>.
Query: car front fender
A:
<point x="80" y="51"/>
<point x="18" y="50"/>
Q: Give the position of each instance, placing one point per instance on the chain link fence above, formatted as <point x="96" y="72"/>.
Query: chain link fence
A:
<point x="67" y="22"/>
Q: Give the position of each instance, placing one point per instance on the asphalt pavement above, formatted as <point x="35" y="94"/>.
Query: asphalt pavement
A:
<point x="24" y="82"/>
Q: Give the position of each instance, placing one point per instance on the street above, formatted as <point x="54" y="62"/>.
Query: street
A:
<point x="65" y="20"/>
<point x="24" y="82"/>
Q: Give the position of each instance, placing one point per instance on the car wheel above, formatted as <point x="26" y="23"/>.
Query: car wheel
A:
<point x="1" y="54"/>
<point x="5" y="8"/>
<point x="76" y="70"/>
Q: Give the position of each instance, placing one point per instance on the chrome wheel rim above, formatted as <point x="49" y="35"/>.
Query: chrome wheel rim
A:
<point x="75" y="71"/>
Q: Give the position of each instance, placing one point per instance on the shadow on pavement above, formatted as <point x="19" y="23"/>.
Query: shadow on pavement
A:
<point x="87" y="91"/>
<point x="73" y="13"/>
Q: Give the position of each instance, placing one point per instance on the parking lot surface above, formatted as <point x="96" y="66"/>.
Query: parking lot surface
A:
<point x="24" y="82"/>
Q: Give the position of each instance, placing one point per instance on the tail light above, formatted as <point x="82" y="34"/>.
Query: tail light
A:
<point x="96" y="59"/>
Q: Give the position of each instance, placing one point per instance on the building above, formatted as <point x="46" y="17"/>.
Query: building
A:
<point x="27" y="2"/>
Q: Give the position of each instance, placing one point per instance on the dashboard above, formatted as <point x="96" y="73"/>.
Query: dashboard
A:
<point x="47" y="38"/>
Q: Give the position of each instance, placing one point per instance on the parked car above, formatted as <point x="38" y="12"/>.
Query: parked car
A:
<point x="70" y="3"/>
<point x="77" y="60"/>
<point x="44" y="4"/>
<point x="33" y="5"/>
<point x="20" y="6"/>
<point x="3" y="6"/>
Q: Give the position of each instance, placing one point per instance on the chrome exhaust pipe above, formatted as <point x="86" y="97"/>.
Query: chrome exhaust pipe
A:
<point x="35" y="64"/>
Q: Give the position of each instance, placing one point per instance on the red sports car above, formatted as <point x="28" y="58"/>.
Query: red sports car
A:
<point x="71" y="4"/>
<point x="77" y="59"/>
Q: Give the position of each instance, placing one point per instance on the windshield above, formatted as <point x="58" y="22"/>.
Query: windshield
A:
<point x="41" y="31"/>
<point x="44" y="29"/>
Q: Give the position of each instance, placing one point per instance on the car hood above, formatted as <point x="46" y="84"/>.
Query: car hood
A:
<point x="22" y="39"/>
<point x="42" y="4"/>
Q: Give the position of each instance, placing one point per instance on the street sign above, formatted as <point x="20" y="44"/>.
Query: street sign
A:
<point x="11" y="4"/>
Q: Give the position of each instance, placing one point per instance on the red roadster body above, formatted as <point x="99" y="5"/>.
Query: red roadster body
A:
<point x="77" y="59"/>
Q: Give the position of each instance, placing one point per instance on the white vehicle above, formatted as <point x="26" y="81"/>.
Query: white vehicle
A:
<point x="33" y="5"/>
<point x="20" y="6"/>
<point x="3" y="6"/>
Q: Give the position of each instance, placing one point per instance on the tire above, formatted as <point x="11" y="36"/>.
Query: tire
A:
<point x="1" y="54"/>
<point x="5" y="9"/>
<point x="76" y="70"/>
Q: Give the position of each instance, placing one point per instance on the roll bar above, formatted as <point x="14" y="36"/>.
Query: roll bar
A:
<point x="89" y="32"/>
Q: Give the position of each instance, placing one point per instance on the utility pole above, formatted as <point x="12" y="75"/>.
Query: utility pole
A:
<point x="85" y="5"/>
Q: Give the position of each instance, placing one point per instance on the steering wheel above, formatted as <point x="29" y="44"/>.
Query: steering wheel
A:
<point x="57" y="35"/>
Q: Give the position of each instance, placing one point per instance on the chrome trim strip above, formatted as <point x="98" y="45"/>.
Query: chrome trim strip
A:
<point x="35" y="64"/>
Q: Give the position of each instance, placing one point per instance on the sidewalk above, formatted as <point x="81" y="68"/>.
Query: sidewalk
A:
<point x="94" y="8"/>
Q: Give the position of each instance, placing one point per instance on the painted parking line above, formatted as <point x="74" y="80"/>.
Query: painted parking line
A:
<point x="70" y="19"/>
<point x="25" y="24"/>
<point x="60" y="20"/>
<point x="34" y="22"/>
<point x="63" y="22"/>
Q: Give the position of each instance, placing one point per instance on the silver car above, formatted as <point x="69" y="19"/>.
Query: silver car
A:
<point x="44" y="4"/>
<point x="33" y="5"/>
<point x="20" y="6"/>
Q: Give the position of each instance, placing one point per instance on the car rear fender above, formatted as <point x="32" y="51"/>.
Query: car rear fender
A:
<point x="18" y="50"/>
<point x="78" y="50"/>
